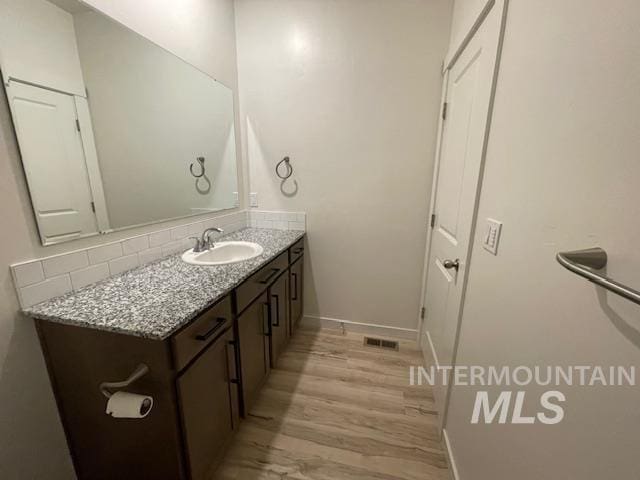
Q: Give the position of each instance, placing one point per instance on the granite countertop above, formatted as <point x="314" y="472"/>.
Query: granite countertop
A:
<point x="155" y="300"/>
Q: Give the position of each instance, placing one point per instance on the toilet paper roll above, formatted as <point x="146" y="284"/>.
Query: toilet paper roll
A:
<point x="129" y="405"/>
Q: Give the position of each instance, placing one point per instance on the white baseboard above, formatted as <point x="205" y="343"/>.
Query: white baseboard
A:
<point x="366" y="328"/>
<point x="449" y="452"/>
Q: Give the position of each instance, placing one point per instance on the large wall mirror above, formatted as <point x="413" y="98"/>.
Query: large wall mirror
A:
<point x="113" y="130"/>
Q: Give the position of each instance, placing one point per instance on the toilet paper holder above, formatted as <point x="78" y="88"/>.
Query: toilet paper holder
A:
<point x="139" y="372"/>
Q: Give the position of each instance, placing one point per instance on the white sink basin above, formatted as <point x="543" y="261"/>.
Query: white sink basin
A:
<point x="224" y="253"/>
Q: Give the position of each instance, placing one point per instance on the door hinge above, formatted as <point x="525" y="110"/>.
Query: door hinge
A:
<point x="444" y="110"/>
<point x="432" y="222"/>
<point x="78" y="124"/>
<point x="93" y="207"/>
<point x="423" y="312"/>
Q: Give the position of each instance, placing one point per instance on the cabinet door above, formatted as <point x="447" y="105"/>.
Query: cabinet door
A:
<point x="279" y="296"/>
<point x="254" y="331"/>
<point x="297" y="286"/>
<point x="205" y="390"/>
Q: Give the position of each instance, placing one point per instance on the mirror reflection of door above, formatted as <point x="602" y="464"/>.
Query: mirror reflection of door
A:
<point x="144" y="116"/>
<point x="47" y="126"/>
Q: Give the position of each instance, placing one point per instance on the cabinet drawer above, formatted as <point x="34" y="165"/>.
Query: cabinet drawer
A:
<point x="296" y="250"/>
<point x="260" y="281"/>
<point x="201" y="332"/>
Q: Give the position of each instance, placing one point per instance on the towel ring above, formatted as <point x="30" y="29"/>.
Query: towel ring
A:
<point x="287" y="163"/>
<point x="202" y="169"/>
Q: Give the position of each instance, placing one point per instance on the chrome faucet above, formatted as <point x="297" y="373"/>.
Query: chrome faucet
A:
<point x="204" y="243"/>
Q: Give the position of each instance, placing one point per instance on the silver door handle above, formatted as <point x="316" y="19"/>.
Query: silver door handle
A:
<point x="583" y="262"/>
<point x="449" y="264"/>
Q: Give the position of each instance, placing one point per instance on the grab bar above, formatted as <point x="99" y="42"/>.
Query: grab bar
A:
<point x="583" y="262"/>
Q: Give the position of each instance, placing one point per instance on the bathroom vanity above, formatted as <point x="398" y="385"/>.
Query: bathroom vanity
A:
<point x="209" y="337"/>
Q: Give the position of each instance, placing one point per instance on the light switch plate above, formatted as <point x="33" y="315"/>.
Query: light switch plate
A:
<point x="492" y="235"/>
<point x="253" y="199"/>
<point x="236" y="199"/>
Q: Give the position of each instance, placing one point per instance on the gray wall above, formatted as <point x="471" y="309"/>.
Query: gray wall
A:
<point x="562" y="172"/>
<point x="351" y="91"/>
<point x="32" y="444"/>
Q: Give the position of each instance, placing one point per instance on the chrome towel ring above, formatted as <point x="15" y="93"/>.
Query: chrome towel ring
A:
<point x="202" y="169"/>
<point x="288" y="166"/>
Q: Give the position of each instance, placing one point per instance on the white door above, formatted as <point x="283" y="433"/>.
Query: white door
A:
<point x="468" y="98"/>
<point x="54" y="163"/>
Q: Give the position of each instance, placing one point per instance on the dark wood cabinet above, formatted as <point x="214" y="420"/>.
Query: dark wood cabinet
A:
<point x="206" y="392"/>
<point x="280" y="329"/>
<point x="260" y="281"/>
<point x="102" y="447"/>
<point x="202" y="378"/>
<point x="296" y="251"/>
<point x="254" y="332"/>
<point x="297" y="292"/>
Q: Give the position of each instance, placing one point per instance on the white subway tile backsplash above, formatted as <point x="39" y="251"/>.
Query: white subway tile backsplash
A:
<point x="159" y="238"/>
<point x="122" y="264"/>
<point x="151" y="255"/>
<point x="172" y="248"/>
<point x="69" y="262"/>
<point x="104" y="253"/>
<point x="180" y="232"/>
<point x="28" y="273"/>
<point x="278" y="220"/>
<point x="281" y="225"/>
<point x="212" y="222"/>
<point x="87" y="276"/>
<point x="297" y="226"/>
<point x="50" y="288"/>
<point x="135" y="245"/>
<point x="196" y="229"/>
<point x="50" y="277"/>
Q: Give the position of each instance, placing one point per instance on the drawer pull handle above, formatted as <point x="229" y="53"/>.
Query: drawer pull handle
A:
<point x="277" y="322"/>
<point x="295" y="286"/>
<point x="266" y="315"/>
<point x="274" y="272"/>
<point x="298" y="250"/>
<point x="235" y="381"/>
<point x="206" y="335"/>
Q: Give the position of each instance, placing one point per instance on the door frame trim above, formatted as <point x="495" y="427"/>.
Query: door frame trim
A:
<point x="452" y="55"/>
<point x="501" y="6"/>
<point x="432" y="201"/>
